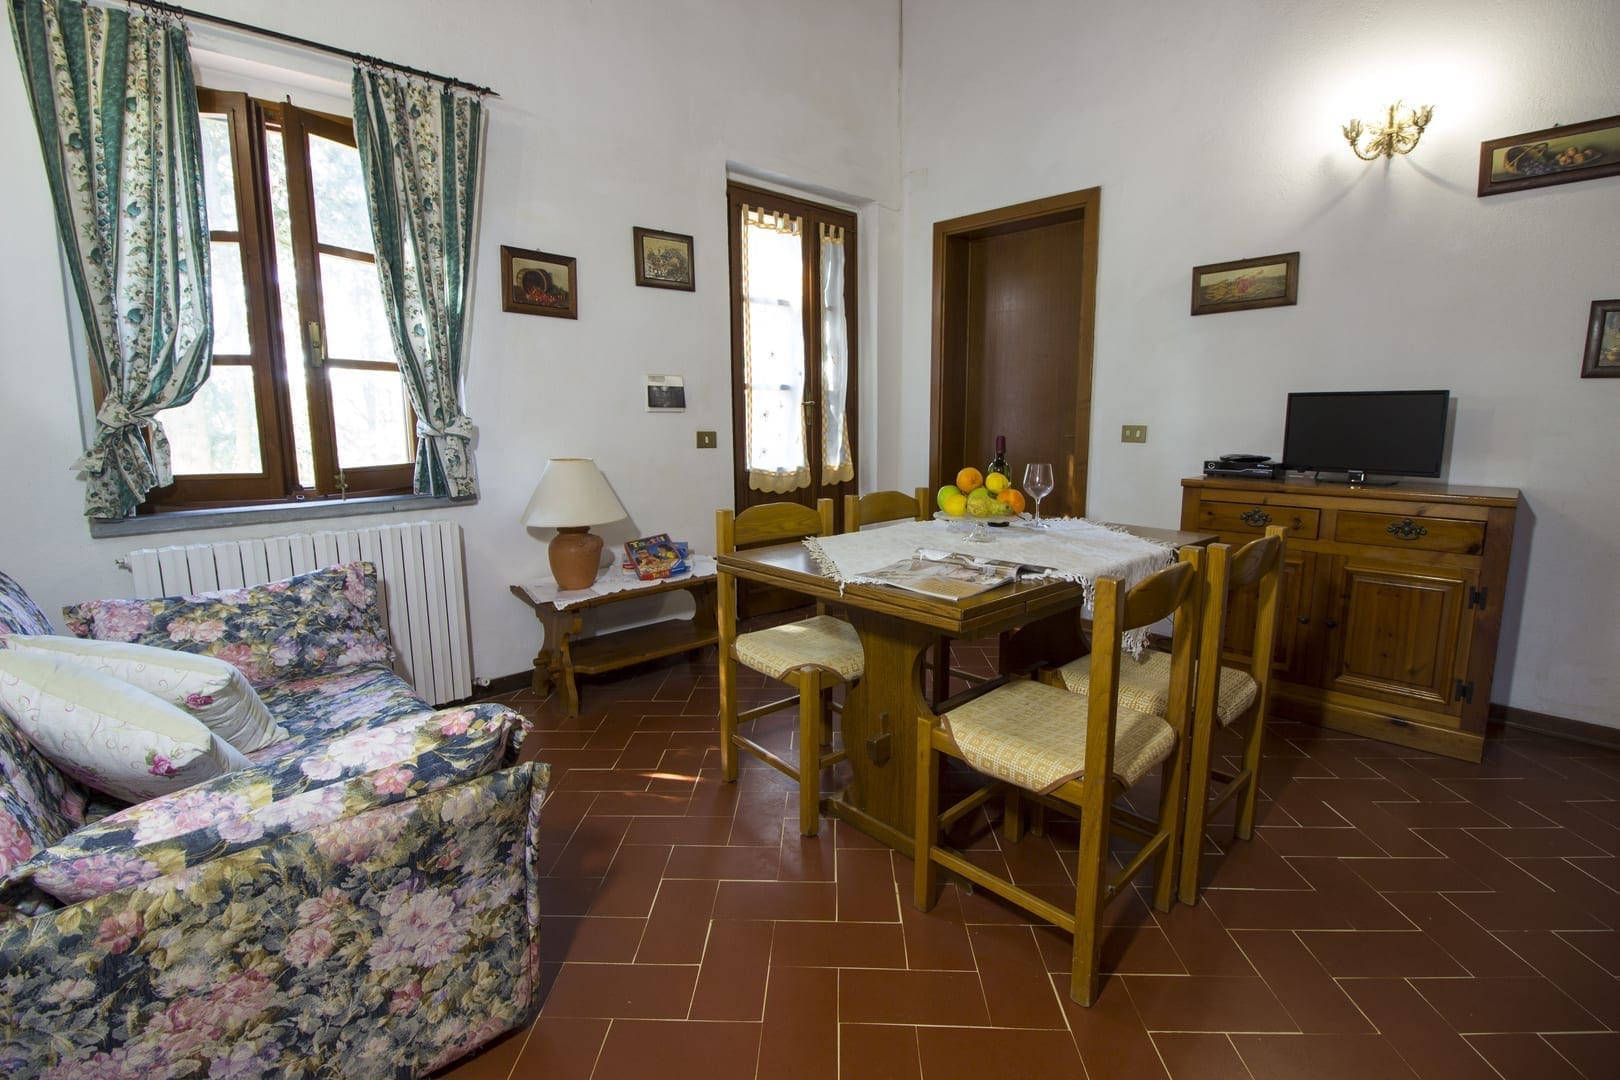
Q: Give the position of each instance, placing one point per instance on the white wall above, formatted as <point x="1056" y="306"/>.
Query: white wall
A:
<point x="612" y="114"/>
<point x="1213" y="131"/>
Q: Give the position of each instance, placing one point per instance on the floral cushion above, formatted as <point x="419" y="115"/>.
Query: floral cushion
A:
<point x="18" y="613"/>
<point x="318" y="622"/>
<point x="316" y="709"/>
<point x="387" y="944"/>
<point x="107" y="734"/>
<point x="38" y="805"/>
<point x="213" y="691"/>
<point x="371" y="766"/>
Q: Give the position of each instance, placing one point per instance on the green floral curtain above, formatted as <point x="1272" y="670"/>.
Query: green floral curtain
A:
<point x="116" y="109"/>
<point x="421" y="153"/>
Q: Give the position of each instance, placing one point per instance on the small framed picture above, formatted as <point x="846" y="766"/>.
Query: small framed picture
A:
<point x="1270" y="281"/>
<point x="538" y="283"/>
<point x="666" y="393"/>
<point x="663" y="259"/>
<point x="1602" y="359"/>
<point x="1555" y="155"/>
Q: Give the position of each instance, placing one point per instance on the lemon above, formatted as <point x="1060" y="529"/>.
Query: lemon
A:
<point x="954" y="504"/>
<point x="945" y="493"/>
<point x="996" y="482"/>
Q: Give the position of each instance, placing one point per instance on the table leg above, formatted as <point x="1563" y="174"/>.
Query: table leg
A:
<point x="880" y="727"/>
<point x="553" y="668"/>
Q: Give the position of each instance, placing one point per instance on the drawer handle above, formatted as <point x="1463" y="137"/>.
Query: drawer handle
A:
<point x="1407" y="529"/>
<point x="1255" y="516"/>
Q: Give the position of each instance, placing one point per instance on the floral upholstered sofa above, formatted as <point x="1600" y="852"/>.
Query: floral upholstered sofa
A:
<point x="360" y="901"/>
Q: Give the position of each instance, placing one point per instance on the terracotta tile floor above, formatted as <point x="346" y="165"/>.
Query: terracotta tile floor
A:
<point x="1398" y="915"/>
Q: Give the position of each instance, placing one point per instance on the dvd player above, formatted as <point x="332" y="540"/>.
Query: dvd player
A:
<point x="1252" y="471"/>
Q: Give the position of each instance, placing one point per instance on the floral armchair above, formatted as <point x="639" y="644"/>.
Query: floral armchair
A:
<point x="361" y="901"/>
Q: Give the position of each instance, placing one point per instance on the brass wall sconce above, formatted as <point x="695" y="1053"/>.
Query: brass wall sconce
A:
<point x="1398" y="134"/>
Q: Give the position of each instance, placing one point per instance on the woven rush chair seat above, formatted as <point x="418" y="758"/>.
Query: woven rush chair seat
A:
<point x="1034" y="736"/>
<point x="820" y="641"/>
<point x="1144" y="685"/>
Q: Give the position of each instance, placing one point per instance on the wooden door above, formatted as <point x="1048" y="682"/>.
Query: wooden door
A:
<point x="1396" y="632"/>
<point x="1013" y="303"/>
<point x="814" y="318"/>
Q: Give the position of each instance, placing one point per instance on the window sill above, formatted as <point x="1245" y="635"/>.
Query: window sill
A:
<point x="192" y="520"/>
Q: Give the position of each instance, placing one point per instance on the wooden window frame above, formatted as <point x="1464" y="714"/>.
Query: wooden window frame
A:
<point x="251" y="123"/>
<point x="814" y="215"/>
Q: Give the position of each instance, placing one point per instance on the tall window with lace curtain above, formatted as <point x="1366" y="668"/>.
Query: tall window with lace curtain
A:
<point x="793" y="287"/>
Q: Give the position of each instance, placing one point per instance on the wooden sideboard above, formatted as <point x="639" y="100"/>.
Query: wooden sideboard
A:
<point x="1392" y="601"/>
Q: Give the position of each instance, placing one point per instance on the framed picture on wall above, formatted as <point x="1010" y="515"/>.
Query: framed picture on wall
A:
<point x="663" y="259"/>
<point x="1555" y="155"/>
<point x="538" y="283"/>
<point x="1269" y="281"/>
<point x="1602" y="359"/>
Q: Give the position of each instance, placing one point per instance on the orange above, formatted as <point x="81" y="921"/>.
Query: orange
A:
<point x="1013" y="498"/>
<point x="969" y="479"/>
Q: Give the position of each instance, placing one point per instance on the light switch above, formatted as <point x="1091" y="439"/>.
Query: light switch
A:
<point x="706" y="440"/>
<point x="1133" y="433"/>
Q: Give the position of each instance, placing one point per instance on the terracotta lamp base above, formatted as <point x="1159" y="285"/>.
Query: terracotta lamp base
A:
<point x="576" y="555"/>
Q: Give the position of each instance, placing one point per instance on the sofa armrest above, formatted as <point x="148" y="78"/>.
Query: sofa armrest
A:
<point x="406" y="934"/>
<point x="369" y="768"/>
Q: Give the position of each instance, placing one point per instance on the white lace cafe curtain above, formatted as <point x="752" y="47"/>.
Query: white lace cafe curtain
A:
<point x="837" y="464"/>
<point x="773" y="350"/>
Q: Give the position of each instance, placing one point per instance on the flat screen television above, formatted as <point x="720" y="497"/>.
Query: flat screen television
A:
<point x="1389" y="433"/>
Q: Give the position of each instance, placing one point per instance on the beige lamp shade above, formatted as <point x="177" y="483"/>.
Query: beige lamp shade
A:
<point x="572" y="496"/>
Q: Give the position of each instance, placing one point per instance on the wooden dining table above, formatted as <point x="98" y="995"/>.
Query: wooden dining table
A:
<point x="1037" y="620"/>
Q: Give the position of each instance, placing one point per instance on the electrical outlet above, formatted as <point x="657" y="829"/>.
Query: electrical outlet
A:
<point x="1133" y="433"/>
<point x="706" y="440"/>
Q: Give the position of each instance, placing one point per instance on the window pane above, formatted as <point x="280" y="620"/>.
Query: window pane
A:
<point x="368" y="411"/>
<point x="341" y="216"/>
<point x="356" y="328"/>
<point x="218" y="431"/>
<point x="774" y="287"/>
<point x="292" y="330"/>
<point x="219" y="182"/>
<point x="229" y="299"/>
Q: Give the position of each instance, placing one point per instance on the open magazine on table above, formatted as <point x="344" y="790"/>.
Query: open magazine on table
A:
<point x="948" y="574"/>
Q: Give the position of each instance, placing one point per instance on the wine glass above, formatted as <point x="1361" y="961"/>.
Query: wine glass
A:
<point x="1038" y="483"/>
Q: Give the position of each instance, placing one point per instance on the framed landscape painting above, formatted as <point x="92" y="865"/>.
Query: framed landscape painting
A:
<point x="538" y="283"/>
<point x="663" y="259"/>
<point x="1270" y="281"/>
<point x="1555" y="155"/>
<point x="1602" y="360"/>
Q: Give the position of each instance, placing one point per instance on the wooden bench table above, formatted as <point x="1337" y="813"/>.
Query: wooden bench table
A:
<point x="565" y="654"/>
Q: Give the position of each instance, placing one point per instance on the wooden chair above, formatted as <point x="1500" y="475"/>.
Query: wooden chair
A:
<point x="1075" y="752"/>
<point x="878" y="507"/>
<point x="1237" y="697"/>
<point x="812" y="655"/>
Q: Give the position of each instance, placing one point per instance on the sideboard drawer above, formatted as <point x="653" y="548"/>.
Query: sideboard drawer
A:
<point x="1301" y="522"/>
<point x="1421" y="533"/>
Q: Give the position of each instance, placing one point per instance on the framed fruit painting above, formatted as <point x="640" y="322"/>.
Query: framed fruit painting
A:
<point x="1555" y="155"/>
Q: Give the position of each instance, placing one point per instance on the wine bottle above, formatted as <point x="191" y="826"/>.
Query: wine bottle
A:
<point x="999" y="462"/>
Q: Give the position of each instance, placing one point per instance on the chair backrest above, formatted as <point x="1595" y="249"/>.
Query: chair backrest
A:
<point x="1176" y="592"/>
<point x="771" y="523"/>
<point x="876" y="507"/>
<point x="1257" y="565"/>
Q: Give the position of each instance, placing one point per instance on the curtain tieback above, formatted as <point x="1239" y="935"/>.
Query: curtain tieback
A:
<point x="114" y="420"/>
<point x="459" y="428"/>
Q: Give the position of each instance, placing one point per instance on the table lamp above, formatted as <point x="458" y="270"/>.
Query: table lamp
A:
<point x="572" y="496"/>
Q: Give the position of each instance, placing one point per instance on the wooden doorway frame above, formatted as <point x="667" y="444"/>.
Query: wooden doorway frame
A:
<point x="952" y="238"/>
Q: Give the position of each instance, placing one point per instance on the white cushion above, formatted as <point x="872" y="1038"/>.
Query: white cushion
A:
<point x="210" y="689"/>
<point x="822" y="641"/>
<point x="1144" y="685"/>
<point x="108" y="734"/>
<point x="1034" y="735"/>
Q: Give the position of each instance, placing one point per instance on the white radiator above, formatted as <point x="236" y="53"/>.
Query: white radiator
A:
<point x="424" y="587"/>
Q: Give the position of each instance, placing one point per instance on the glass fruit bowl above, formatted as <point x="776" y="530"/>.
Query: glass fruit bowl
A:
<point x="978" y="534"/>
